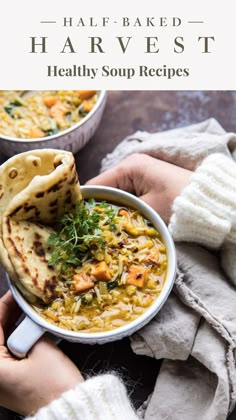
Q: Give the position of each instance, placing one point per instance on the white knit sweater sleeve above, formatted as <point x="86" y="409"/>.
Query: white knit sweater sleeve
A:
<point x="103" y="397"/>
<point x="205" y="212"/>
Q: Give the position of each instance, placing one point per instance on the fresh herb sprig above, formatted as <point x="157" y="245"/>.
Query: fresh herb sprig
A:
<point x="78" y="231"/>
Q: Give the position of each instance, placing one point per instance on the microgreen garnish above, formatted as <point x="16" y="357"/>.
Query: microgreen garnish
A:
<point x="78" y="232"/>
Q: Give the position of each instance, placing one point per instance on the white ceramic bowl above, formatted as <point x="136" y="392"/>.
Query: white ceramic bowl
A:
<point x="72" y="139"/>
<point x="34" y="326"/>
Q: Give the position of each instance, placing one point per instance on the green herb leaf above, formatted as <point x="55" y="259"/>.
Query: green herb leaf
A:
<point x="112" y="284"/>
<point x="18" y="102"/>
<point x="81" y="111"/>
<point x="69" y="116"/>
<point x="51" y="131"/>
<point x="9" y="110"/>
<point x="79" y="232"/>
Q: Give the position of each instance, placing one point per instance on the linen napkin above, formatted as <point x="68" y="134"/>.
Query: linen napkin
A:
<point x="195" y="332"/>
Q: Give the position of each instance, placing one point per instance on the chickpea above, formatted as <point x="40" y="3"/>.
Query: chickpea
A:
<point x="131" y="290"/>
<point x="151" y="284"/>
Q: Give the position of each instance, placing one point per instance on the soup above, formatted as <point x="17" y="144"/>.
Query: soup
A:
<point x="37" y="114"/>
<point x="112" y="266"/>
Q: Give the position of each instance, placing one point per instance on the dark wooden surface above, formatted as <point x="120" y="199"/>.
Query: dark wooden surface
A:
<point x="125" y="113"/>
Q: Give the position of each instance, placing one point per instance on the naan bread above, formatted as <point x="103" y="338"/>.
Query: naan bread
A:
<point x="35" y="188"/>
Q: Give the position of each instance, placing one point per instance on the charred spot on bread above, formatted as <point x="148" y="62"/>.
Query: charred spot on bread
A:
<point x="68" y="199"/>
<point x="72" y="166"/>
<point x="27" y="208"/>
<point x="16" y="251"/>
<point x="39" y="249"/>
<point x="49" y="287"/>
<point x="73" y="180"/>
<point x="8" y="225"/>
<point x="53" y="211"/>
<point x="37" y="236"/>
<point x="53" y="203"/>
<point x="35" y="279"/>
<point x="36" y="162"/>
<point x="16" y="210"/>
<point x="1" y="192"/>
<point x="13" y="173"/>
<point x="54" y="188"/>
<point x="25" y="269"/>
<point x="39" y="194"/>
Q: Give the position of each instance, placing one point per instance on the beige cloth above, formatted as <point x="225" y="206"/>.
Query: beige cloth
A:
<point x="195" y="332"/>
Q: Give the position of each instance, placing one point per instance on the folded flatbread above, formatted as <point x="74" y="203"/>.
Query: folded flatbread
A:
<point x="35" y="189"/>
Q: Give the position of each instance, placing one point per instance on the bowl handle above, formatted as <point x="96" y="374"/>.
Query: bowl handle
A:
<point x="24" y="337"/>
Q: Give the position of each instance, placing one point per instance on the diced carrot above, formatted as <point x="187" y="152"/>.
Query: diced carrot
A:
<point x="58" y="110"/>
<point x="49" y="101"/>
<point x="51" y="315"/>
<point x="82" y="282"/>
<point x="137" y="275"/>
<point x="36" y="133"/>
<point x="101" y="271"/>
<point x="87" y="106"/>
<point x="123" y="212"/>
<point x="85" y="94"/>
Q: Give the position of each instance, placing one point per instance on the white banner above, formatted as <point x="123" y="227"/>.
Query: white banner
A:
<point x="167" y="45"/>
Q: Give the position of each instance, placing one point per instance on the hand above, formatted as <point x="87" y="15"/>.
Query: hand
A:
<point x="29" y="384"/>
<point x="156" y="182"/>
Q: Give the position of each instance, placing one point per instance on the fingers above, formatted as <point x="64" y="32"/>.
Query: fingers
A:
<point x="9" y="312"/>
<point x="108" y="178"/>
<point x="7" y="304"/>
<point x="123" y="175"/>
<point x="128" y="175"/>
<point x="7" y="298"/>
<point x="5" y="301"/>
<point x="117" y="177"/>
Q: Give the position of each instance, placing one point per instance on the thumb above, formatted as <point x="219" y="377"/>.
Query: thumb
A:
<point x="9" y="312"/>
<point x="44" y="346"/>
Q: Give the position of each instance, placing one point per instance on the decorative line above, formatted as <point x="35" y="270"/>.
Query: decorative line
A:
<point x="195" y="21"/>
<point x="48" y="21"/>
